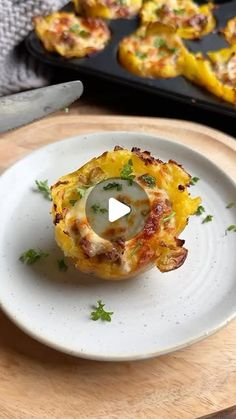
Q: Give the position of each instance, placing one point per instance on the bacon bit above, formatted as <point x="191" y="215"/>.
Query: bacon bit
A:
<point x="58" y="218"/>
<point x="86" y="246"/>
<point x="123" y="12"/>
<point x="181" y="188"/>
<point x="113" y="255"/>
<point x="66" y="232"/>
<point x="145" y="256"/>
<point x="179" y="242"/>
<point x="121" y="243"/>
<point x="64" y="20"/>
<point x="153" y="222"/>
<point x="65" y="182"/>
<point x="199" y="20"/>
<point x="145" y="156"/>
<point x="118" y="147"/>
<point x="67" y="38"/>
<point x="55" y="207"/>
<point x="93" y="24"/>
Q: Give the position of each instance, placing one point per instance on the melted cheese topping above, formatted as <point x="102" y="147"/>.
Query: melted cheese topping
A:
<point x="156" y="243"/>
<point x="71" y="36"/>
<point x="190" y="20"/>
<point x="108" y="9"/>
<point x="151" y="52"/>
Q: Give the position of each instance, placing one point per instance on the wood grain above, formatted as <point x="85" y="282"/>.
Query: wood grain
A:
<point x="38" y="382"/>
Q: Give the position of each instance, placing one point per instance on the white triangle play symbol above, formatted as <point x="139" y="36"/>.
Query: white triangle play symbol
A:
<point x="117" y="209"/>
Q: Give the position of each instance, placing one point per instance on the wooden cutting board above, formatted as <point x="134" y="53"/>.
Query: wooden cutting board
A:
<point x="38" y="382"/>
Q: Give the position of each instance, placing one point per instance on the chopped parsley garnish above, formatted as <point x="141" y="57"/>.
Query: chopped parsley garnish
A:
<point x="73" y="201"/>
<point x="121" y="2"/>
<point x="74" y="28"/>
<point x="43" y="187"/>
<point x="31" y="256"/>
<point x="141" y="55"/>
<point x="100" y="313"/>
<point x="179" y="11"/>
<point x="200" y="210"/>
<point x="96" y="209"/>
<point x="81" y="191"/>
<point x="62" y="265"/>
<point x="194" y="180"/>
<point x="113" y="185"/>
<point x="84" y="34"/>
<point x="159" y="43"/>
<point x="232" y="228"/>
<point x="136" y="248"/>
<point x="230" y="205"/>
<point x="172" y="50"/>
<point x="207" y="219"/>
<point x="127" y="172"/>
<point x="149" y="180"/>
<point x="169" y="217"/>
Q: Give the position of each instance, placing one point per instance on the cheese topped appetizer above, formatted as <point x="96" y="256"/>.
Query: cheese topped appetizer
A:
<point x="216" y="72"/>
<point x="108" y="9"/>
<point x="121" y="255"/>
<point x="71" y="36"/>
<point x="230" y="31"/>
<point x="152" y="51"/>
<point x="191" y="20"/>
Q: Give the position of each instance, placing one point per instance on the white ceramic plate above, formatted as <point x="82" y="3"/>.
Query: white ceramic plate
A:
<point x="154" y="313"/>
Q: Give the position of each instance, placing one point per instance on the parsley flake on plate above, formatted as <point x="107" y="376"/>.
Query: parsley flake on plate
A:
<point x="113" y="185"/>
<point x="168" y="218"/>
<point x="149" y="180"/>
<point x="141" y="55"/>
<point x="159" y="43"/>
<point x="96" y="209"/>
<point x="230" y="205"/>
<point x="73" y="201"/>
<point x="127" y="172"/>
<point x="81" y="191"/>
<point x="194" y="180"/>
<point x="74" y="28"/>
<point x="136" y="248"/>
<point x="207" y="219"/>
<point x="232" y="228"/>
<point x="43" y="187"/>
<point x="31" y="256"/>
<point x="200" y="210"/>
<point x="100" y="313"/>
<point x="62" y="265"/>
<point x="179" y="11"/>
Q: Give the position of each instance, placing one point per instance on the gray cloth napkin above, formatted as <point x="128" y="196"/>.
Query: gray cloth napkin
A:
<point x="19" y="71"/>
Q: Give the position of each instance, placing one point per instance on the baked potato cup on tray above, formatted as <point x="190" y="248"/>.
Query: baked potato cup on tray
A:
<point x="108" y="9"/>
<point x="190" y="20"/>
<point x="71" y="36"/>
<point x="152" y="51"/>
<point x="216" y="72"/>
<point x="230" y="31"/>
<point x="157" y="244"/>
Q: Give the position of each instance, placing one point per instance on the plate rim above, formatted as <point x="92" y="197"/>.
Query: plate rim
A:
<point x="87" y="355"/>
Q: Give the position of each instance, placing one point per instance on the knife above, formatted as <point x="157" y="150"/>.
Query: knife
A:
<point x="22" y="108"/>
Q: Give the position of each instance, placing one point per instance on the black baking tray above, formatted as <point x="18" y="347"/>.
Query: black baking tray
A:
<point x="104" y="64"/>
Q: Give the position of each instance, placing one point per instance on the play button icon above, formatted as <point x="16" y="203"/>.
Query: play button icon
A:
<point x="117" y="209"/>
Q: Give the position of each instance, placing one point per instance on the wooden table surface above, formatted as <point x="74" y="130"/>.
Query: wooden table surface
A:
<point x="39" y="382"/>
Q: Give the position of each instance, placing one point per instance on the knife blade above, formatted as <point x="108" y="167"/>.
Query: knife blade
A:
<point x="22" y="108"/>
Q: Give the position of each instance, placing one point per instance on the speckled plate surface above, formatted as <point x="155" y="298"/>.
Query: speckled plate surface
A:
<point x="154" y="313"/>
